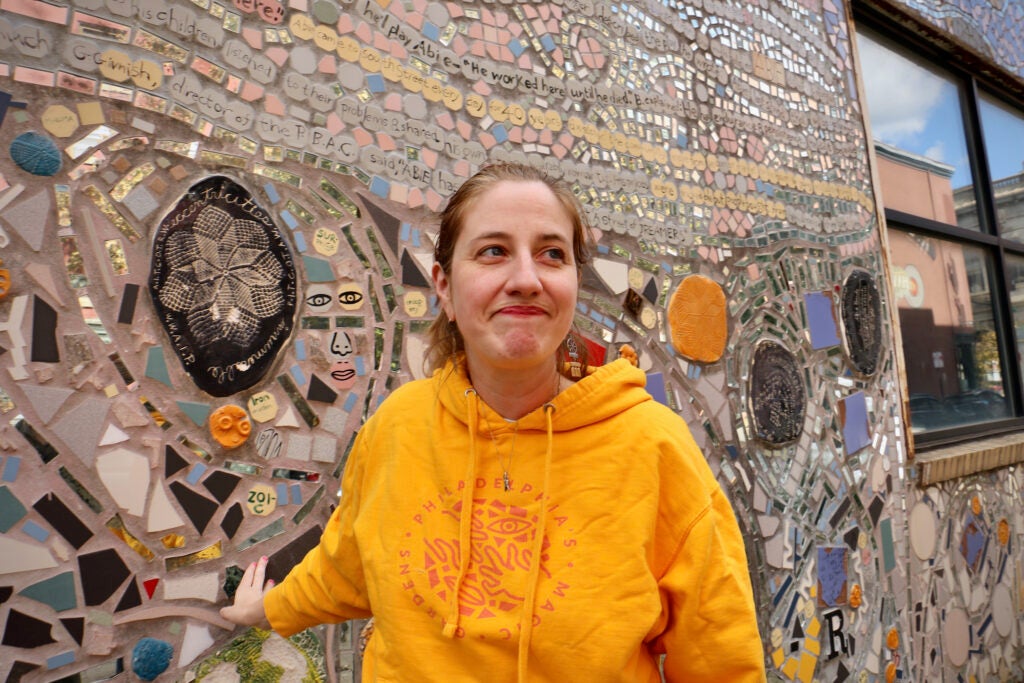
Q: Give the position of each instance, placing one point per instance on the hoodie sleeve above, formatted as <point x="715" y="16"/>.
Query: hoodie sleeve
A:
<point x="328" y="586"/>
<point x="710" y="622"/>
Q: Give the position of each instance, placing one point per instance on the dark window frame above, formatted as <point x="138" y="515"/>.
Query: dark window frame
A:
<point x="972" y="76"/>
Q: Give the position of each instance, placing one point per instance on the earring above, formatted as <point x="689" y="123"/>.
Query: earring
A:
<point x="574" y="366"/>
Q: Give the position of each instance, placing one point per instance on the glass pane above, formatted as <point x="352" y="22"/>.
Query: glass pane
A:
<point x="917" y="125"/>
<point x="1015" y="276"/>
<point x="950" y="348"/>
<point x="1003" y="131"/>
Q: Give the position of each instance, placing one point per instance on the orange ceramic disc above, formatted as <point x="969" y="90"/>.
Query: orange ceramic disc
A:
<point x="230" y="426"/>
<point x="696" y="319"/>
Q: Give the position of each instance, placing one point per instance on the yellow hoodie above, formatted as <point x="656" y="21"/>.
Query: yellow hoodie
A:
<point x="613" y="545"/>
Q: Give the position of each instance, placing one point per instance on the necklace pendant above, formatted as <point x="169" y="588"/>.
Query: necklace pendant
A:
<point x="505" y="480"/>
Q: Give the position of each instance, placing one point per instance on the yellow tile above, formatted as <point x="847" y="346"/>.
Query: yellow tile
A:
<point x="808" y="663"/>
<point x="90" y="113"/>
<point x="778" y="657"/>
<point x="813" y="628"/>
<point x="813" y="645"/>
<point x="789" y="670"/>
<point x="110" y="390"/>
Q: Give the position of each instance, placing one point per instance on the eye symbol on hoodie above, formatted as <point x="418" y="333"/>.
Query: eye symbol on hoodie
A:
<point x="509" y="526"/>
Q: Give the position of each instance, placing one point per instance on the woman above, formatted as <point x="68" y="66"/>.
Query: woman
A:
<point x="500" y="521"/>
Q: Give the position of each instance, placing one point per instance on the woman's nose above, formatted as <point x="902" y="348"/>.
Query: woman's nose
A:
<point x="524" y="278"/>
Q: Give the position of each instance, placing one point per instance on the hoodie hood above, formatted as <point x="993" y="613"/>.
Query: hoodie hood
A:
<point x="604" y="392"/>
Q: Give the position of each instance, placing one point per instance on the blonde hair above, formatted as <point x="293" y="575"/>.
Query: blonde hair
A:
<point x="443" y="337"/>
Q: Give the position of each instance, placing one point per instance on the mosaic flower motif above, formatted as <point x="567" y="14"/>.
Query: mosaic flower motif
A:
<point x="223" y="277"/>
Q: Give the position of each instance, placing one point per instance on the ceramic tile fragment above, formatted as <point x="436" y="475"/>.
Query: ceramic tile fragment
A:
<point x="43" y="276"/>
<point x="203" y="586"/>
<point x="80" y="427"/>
<point x="156" y="366"/>
<point x="11" y="509"/>
<point x="173" y="463"/>
<point x="26" y="218"/>
<point x="112" y="436"/>
<point x="822" y="319"/>
<point x="101" y="574"/>
<point x="44" y="332"/>
<point x="75" y="626"/>
<point x="25" y="631"/>
<point x="199" y="509"/>
<point x="21" y="556"/>
<point x="130" y="598"/>
<point x="162" y="515"/>
<point x="61" y="518"/>
<point x="853" y="415"/>
<point x="221" y="484"/>
<point x="281" y="562"/>
<point x="126" y="476"/>
<point x="319" y="391"/>
<point x="129" y="297"/>
<point x="195" y="641"/>
<point x="197" y="412"/>
<point x="46" y="400"/>
<point x="58" y="592"/>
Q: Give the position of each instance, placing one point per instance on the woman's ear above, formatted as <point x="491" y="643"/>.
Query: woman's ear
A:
<point x="443" y="288"/>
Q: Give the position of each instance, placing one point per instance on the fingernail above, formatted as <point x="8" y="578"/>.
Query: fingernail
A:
<point x="263" y="559"/>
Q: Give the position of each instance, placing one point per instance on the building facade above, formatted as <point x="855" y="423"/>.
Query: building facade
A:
<point x="299" y="152"/>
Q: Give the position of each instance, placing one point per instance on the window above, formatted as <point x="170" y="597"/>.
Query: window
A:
<point x="949" y="159"/>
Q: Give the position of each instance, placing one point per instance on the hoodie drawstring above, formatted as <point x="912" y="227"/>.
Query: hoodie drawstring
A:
<point x="451" y="624"/>
<point x="530" y="600"/>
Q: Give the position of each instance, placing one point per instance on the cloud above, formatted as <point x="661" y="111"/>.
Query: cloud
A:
<point x="901" y="95"/>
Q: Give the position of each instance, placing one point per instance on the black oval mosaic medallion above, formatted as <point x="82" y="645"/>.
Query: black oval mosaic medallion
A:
<point x="862" y="321"/>
<point x="776" y="394"/>
<point x="224" y="285"/>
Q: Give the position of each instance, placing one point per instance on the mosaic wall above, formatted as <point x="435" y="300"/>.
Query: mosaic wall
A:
<point x="215" y="226"/>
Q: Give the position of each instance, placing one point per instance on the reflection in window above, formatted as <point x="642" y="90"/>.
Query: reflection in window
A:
<point x="950" y="347"/>
<point x="917" y="125"/>
<point x="1003" y="132"/>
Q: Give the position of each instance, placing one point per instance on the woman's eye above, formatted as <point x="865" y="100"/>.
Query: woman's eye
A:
<point x="492" y="251"/>
<point x="555" y="254"/>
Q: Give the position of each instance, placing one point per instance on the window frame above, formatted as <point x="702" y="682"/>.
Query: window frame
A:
<point x="901" y="34"/>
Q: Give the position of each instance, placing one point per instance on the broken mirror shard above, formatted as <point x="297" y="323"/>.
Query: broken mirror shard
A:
<point x="777" y="400"/>
<point x="862" y="321"/>
<point x="224" y="286"/>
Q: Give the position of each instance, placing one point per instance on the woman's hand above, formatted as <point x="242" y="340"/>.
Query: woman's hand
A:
<point x="247" y="609"/>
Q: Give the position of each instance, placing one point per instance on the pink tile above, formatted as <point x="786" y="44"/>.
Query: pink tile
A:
<point x="478" y="49"/>
<point x="501" y="19"/>
<point x="487" y="140"/>
<point x="494" y="51"/>
<point x="273" y="105"/>
<point x="345" y="24"/>
<point x="415" y="198"/>
<point x="482" y="89"/>
<point x="545" y="11"/>
<point x="334" y="123"/>
<point x="529" y="12"/>
<point x="327" y="65"/>
<point x="393" y="102"/>
<point x="434" y="200"/>
<point x="429" y="157"/>
<point x="490" y="34"/>
<point x="253" y="37"/>
<point x="458" y="46"/>
<point x="399" y="52"/>
<point x="530" y="134"/>
<point x="277" y="54"/>
<point x="362" y="137"/>
<point x="461" y="168"/>
<point x="299" y="5"/>
<point x="516" y="134"/>
<point x="398" y="10"/>
<point x="566" y="139"/>
<point x="381" y="42"/>
<point x="398" y="193"/>
<point x="455" y="10"/>
<point x="445" y="120"/>
<point x="547" y="137"/>
<point x="415" y="20"/>
<point x="251" y="91"/>
<point x="386" y="142"/>
<point x="364" y="32"/>
<point x="465" y="129"/>
<point x="475" y="31"/>
<point x="559" y="151"/>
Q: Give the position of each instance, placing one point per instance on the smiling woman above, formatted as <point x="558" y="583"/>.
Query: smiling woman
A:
<point x="489" y="521"/>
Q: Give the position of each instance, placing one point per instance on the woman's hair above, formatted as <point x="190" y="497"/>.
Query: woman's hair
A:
<point x="443" y="338"/>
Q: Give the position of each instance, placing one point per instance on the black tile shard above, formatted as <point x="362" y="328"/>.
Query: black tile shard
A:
<point x="851" y="537"/>
<point x="26" y="631"/>
<point x="232" y="520"/>
<point x="388" y="225"/>
<point x="44" y="332"/>
<point x="102" y="573"/>
<point x="74" y="626"/>
<point x="198" y="508"/>
<point x="221" y="484"/>
<point x="319" y="391"/>
<point x="651" y="291"/>
<point x="127" y="313"/>
<point x="412" y="276"/>
<point x="5" y="593"/>
<point x="173" y="463"/>
<point x="131" y="597"/>
<point x="19" y="669"/>
<point x="875" y="510"/>
<point x="63" y="520"/>
<point x="283" y="560"/>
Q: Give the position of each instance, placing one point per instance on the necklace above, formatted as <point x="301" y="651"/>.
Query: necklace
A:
<point x="505" y="464"/>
